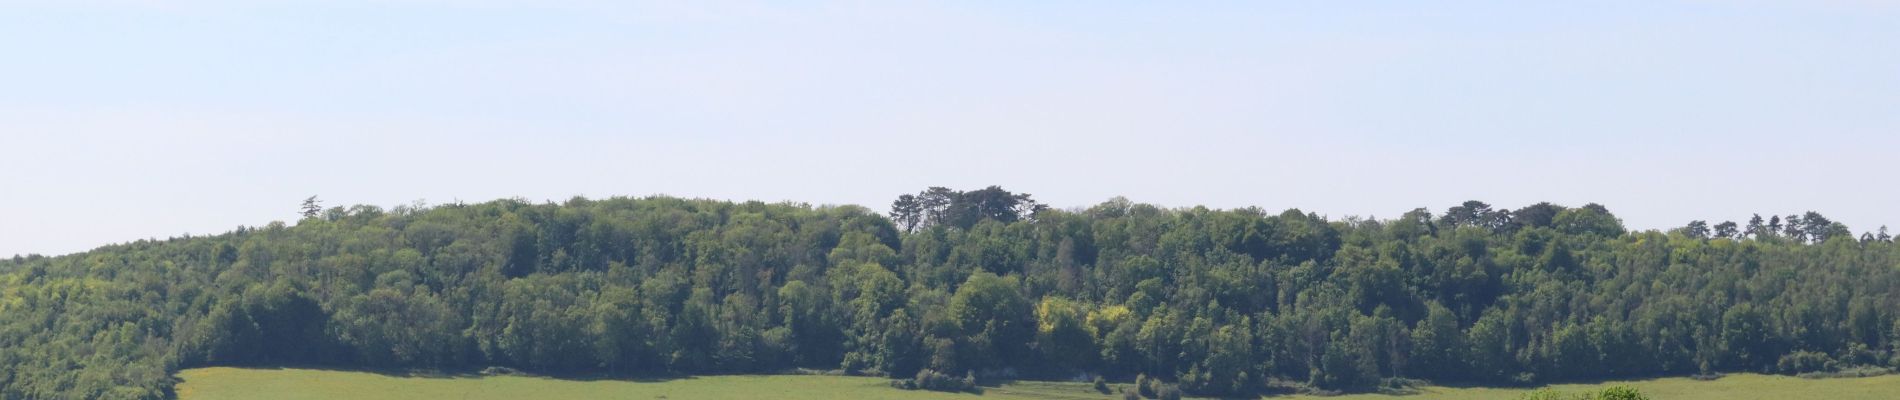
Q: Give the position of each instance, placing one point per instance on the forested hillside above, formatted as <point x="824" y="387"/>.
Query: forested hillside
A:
<point x="986" y="282"/>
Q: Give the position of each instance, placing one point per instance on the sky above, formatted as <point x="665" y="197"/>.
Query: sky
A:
<point x="125" y="120"/>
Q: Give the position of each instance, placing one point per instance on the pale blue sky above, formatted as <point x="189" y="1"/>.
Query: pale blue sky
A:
<point x="122" y="120"/>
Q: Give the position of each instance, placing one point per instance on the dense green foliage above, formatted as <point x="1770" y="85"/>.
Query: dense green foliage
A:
<point x="928" y="379"/>
<point x="1215" y="301"/>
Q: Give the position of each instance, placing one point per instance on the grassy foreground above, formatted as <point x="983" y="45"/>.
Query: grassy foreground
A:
<point x="300" y="384"/>
<point x="297" y="384"/>
<point x="1739" y="386"/>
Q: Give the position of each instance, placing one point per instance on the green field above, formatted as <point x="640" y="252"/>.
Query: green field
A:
<point x="1742" y="386"/>
<point x="293" y="384"/>
<point x="296" y="384"/>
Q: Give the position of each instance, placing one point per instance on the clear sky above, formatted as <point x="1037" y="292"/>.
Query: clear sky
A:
<point x="122" y="120"/>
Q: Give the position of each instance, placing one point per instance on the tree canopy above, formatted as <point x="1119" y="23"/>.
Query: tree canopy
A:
<point x="983" y="283"/>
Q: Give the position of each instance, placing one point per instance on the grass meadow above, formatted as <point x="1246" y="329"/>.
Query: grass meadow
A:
<point x="302" y="384"/>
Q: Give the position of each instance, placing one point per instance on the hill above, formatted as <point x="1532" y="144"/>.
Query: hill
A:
<point x="983" y="283"/>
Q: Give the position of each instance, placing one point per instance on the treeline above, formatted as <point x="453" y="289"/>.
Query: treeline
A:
<point x="982" y="284"/>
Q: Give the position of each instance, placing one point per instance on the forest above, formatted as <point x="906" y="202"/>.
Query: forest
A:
<point x="986" y="284"/>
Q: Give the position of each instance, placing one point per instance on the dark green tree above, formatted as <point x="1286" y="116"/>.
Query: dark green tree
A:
<point x="311" y="207"/>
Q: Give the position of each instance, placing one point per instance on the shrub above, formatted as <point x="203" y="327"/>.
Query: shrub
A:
<point x="1130" y="395"/>
<point x="1142" y="386"/>
<point x="1610" y="393"/>
<point x="1848" y="372"/>
<point x="929" y="379"/>
<point x="1168" y="392"/>
<point x="1101" y="385"/>
<point x="1620" y="393"/>
<point x="493" y="371"/>
<point x="1804" y="361"/>
<point x="1857" y="354"/>
<point x="1524" y="378"/>
<point x="1400" y="386"/>
<point x="1547" y="394"/>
